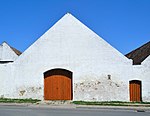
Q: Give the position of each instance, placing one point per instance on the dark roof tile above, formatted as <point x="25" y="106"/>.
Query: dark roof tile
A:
<point x="140" y="54"/>
<point x="16" y="51"/>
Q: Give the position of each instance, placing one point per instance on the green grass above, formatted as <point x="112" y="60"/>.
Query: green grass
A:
<point x="8" y="100"/>
<point x="112" y="103"/>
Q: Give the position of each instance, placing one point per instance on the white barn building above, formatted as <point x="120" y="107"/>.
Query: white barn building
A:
<point x="71" y="62"/>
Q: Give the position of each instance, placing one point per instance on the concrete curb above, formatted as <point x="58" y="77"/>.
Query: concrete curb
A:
<point x="83" y="107"/>
<point x="129" y="108"/>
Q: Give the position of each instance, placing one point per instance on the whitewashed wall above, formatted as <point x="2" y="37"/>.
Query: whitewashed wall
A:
<point x="6" y="53"/>
<point x="142" y="73"/>
<point x="6" y="80"/>
<point x="71" y="45"/>
<point x="7" y="84"/>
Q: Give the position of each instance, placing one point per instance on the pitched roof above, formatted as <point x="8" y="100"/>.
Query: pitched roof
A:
<point x="16" y="51"/>
<point x="140" y="54"/>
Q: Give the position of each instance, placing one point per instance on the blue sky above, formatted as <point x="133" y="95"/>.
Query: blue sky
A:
<point x="125" y="24"/>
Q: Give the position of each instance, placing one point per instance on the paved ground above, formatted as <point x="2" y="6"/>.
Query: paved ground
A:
<point x="73" y="106"/>
<point x="22" y="110"/>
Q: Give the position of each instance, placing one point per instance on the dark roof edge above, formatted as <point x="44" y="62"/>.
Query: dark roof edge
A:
<point x="14" y="49"/>
<point x="138" y="48"/>
<point x="140" y="54"/>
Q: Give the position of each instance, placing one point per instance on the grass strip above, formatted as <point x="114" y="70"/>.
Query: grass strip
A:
<point x="113" y="103"/>
<point x="9" y="100"/>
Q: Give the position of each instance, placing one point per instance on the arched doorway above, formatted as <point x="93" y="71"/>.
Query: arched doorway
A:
<point x="135" y="90"/>
<point x="58" y="84"/>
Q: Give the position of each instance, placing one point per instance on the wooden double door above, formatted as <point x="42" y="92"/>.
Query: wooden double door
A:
<point x="58" y="85"/>
<point x="135" y="91"/>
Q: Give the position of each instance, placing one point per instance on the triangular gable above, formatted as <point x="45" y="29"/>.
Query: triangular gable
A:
<point x="71" y="38"/>
<point x="8" y="53"/>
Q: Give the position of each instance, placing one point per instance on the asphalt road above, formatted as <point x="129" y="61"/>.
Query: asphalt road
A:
<point x="36" y="111"/>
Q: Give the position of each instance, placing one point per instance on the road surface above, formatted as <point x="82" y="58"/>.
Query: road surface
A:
<point x="39" y="111"/>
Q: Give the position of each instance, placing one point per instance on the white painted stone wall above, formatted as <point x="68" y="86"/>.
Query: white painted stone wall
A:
<point x="71" y="45"/>
<point x="6" y="53"/>
<point x="6" y="70"/>
<point x="142" y="73"/>
<point x="146" y="76"/>
<point x="6" y="80"/>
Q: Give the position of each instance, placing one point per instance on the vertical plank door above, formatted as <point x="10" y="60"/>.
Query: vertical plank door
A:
<point x="135" y="91"/>
<point x="58" y="85"/>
